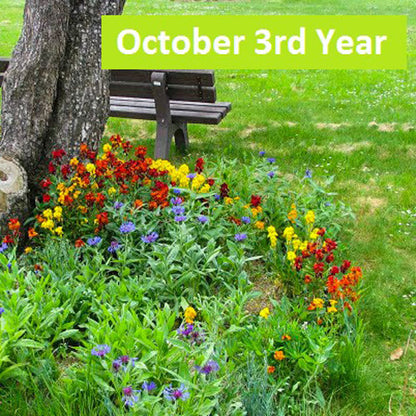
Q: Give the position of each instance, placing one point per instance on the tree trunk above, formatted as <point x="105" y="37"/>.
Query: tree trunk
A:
<point x="55" y="94"/>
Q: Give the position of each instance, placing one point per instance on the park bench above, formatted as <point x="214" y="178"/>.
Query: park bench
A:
<point x="172" y="98"/>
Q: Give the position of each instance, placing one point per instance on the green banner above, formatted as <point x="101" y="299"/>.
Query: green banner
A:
<point x="254" y="42"/>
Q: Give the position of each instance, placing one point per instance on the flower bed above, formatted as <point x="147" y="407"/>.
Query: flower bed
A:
<point x="132" y="294"/>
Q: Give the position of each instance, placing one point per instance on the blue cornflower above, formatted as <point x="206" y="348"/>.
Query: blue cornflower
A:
<point x="328" y="204"/>
<point x="150" y="238"/>
<point x="3" y="247"/>
<point x="127" y="227"/>
<point x="117" y="364"/>
<point x="1" y="311"/>
<point x="208" y="368"/>
<point x="172" y="394"/>
<point x="94" y="241"/>
<point x="180" y="218"/>
<point x="149" y="386"/>
<point x="271" y="159"/>
<point x="191" y="175"/>
<point x="271" y="174"/>
<point x="178" y="210"/>
<point x="114" y="246"/>
<point x="185" y="330"/>
<point x="308" y="173"/>
<point x="9" y="266"/>
<point x="217" y="197"/>
<point x="262" y="153"/>
<point x="176" y="191"/>
<point x="240" y="237"/>
<point x="202" y="219"/>
<point x="118" y="205"/>
<point x="176" y="201"/>
<point x="130" y="397"/>
<point x="100" y="350"/>
<point x="246" y="220"/>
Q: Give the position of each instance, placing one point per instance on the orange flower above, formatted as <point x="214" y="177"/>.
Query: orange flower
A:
<point x="14" y="224"/>
<point x="79" y="243"/>
<point x="271" y="369"/>
<point x="138" y="203"/>
<point x="286" y="337"/>
<point x="279" y="355"/>
<point x="39" y="218"/>
<point x="32" y="233"/>
<point x="38" y="267"/>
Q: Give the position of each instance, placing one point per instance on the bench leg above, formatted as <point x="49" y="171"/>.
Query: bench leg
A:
<point x="163" y="140"/>
<point x="181" y="136"/>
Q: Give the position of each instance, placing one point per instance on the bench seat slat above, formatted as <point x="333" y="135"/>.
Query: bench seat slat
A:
<point x="180" y="116"/>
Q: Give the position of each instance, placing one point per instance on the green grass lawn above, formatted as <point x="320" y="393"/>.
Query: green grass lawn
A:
<point x="358" y="126"/>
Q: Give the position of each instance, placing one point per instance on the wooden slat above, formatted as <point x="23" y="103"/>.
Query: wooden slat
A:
<point x="175" y="92"/>
<point x="222" y="108"/>
<point x="4" y="63"/>
<point x="203" y="78"/>
<point x="177" y="115"/>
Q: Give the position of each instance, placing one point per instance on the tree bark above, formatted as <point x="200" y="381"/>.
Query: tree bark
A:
<point x="55" y="94"/>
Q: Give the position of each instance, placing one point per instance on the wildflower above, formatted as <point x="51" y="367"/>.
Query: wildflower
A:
<point x="272" y="234"/>
<point x="286" y="337"/>
<point x="180" y="218"/>
<point x="116" y="365"/>
<point x="130" y="397"/>
<point x="190" y="314"/>
<point x="149" y="386"/>
<point x="317" y="303"/>
<point x="150" y="238"/>
<point x="58" y="231"/>
<point x="114" y="246"/>
<point x="111" y="191"/>
<point x="308" y="173"/>
<point x="127" y="227"/>
<point x="94" y="241"/>
<point x="262" y="153"/>
<point x="271" y="369"/>
<point x="246" y="220"/>
<point x="208" y="368"/>
<point x="288" y="233"/>
<point x="172" y="394"/>
<point x="3" y="247"/>
<point x="271" y="174"/>
<point x="291" y="255"/>
<point x="191" y="176"/>
<point x="264" y="313"/>
<point x="178" y="210"/>
<point x="176" y="191"/>
<point x="14" y="224"/>
<point x="90" y="167"/>
<point x="1" y="311"/>
<point x="259" y="225"/>
<point x="100" y="350"/>
<point x="199" y="166"/>
<point x="271" y="159"/>
<point x="28" y="250"/>
<point x="279" y="355"/>
<point x="46" y="198"/>
<point x="293" y="214"/>
<point x="240" y="237"/>
<point x="202" y="219"/>
<point x="79" y="243"/>
<point x="176" y="201"/>
<point x="310" y="217"/>
<point x="107" y="148"/>
<point x="185" y="330"/>
<point x="118" y="205"/>
<point x="307" y="279"/>
<point x="332" y="308"/>
<point x="255" y="201"/>
<point x="32" y="233"/>
<point x="314" y="234"/>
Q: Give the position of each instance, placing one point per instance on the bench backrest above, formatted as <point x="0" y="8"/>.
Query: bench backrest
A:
<point x="181" y="85"/>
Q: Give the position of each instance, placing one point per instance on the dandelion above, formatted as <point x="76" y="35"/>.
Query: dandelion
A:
<point x="210" y="367"/>
<point x="127" y="227"/>
<point x="130" y="397"/>
<point x="279" y="355"/>
<point x="240" y="237"/>
<point x="202" y="219"/>
<point x="94" y="241"/>
<point x="172" y="394"/>
<point x="264" y="313"/>
<point x="150" y="238"/>
<point x="100" y="350"/>
<point x="246" y="220"/>
<point x="149" y="386"/>
<point x="180" y="218"/>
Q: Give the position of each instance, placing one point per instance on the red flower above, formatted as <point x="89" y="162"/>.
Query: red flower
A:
<point x="235" y="220"/>
<point x="79" y="243"/>
<point x="58" y="154"/>
<point x="345" y="266"/>
<point x="224" y="191"/>
<point x="46" y="198"/>
<point x="65" y="170"/>
<point x="332" y="284"/>
<point x="210" y="181"/>
<point x="307" y="279"/>
<point x="102" y="219"/>
<point x="330" y="245"/>
<point x="321" y="231"/>
<point x="51" y="168"/>
<point x="255" y="200"/>
<point x="298" y="263"/>
<point x="319" y="255"/>
<point x="14" y="224"/>
<point x="8" y="239"/>
<point x="45" y="183"/>
<point x="199" y="166"/>
<point x="335" y="270"/>
<point x="330" y="258"/>
<point x="140" y="152"/>
<point x="318" y="268"/>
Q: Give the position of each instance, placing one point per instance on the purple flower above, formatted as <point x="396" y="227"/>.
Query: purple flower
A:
<point x="246" y="220"/>
<point x="271" y="159"/>
<point x="208" y="368"/>
<point x="150" y="238"/>
<point x="114" y="246"/>
<point x="178" y="210"/>
<point x="130" y="397"/>
<point x="189" y="331"/>
<point x="328" y="204"/>
<point x="262" y="153"/>
<point x="240" y="237"/>
<point x="176" y="201"/>
<point x="116" y="364"/>
<point x="1" y="311"/>
<point x="94" y="241"/>
<point x="9" y="266"/>
<point x="217" y="197"/>
<point x="100" y="350"/>
<point x="185" y="330"/>
<point x="271" y="174"/>
<point x="191" y="175"/>
<point x="127" y="227"/>
<point x="118" y="205"/>
<point x="308" y="173"/>
<point x="172" y="394"/>
<point x="180" y="218"/>
<point x="3" y="247"/>
<point x="149" y="386"/>
<point x="176" y="191"/>
<point x="202" y="219"/>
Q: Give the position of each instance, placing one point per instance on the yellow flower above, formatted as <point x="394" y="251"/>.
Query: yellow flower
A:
<point x="58" y="231"/>
<point x="112" y="191"/>
<point x="83" y="209"/>
<point x="272" y="234"/>
<point x="107" y="148"/>
<point x="264" y="313"/>
<point x="291" y="255"/>
<point x="28" y="250"/>
<point x="296" y="244"/>
<point x="60" y="187"/>
<point x="198" y="181"/>
<point x="76" y="194"/>
<point x="256" y="210"/>
<point x="48" y="224"/>
<point x="318" y="302"/>
<point x="228" y="200"/>
<point x="332" y="308"/>
<point x="259" y="225"/>
<point x="74" y="162"/>
<point x="205" y="189"/>
<point x="90" y="167"/>
<point x="310" y="217"/>
<point x="288" y="233"/>
<point x="57" y="214"/>
<point x="47" y="214"/>
<point x="190" y="314"/>
<point x="303" y="246"/>
<point x="314" y="234"/>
